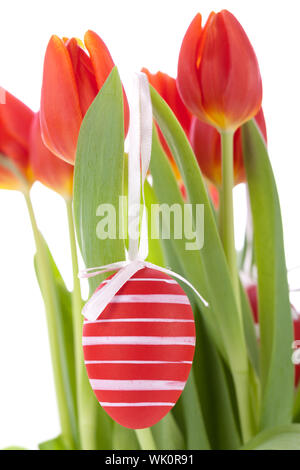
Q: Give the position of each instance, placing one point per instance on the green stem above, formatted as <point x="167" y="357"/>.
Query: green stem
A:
<point x="145" y="439"/>
<point x="67" y="418"/>
<point x="77" y="317"/>
<point x="87" y="405"/>
<point x="226" y="210"/>
<point x="76" y="294"/>
<point x="226" y="225"/>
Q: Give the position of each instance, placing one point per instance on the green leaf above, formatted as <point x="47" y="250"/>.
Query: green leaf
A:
<point x="98" y="179"/>
<point x="54" y="444"/>
<point x="155" y="255"/>
<point x="167" y="434"/>
<point x="64" y="332"/>
<point x="124" y="439"/>
<point x="276" y="333"/>
<point x="279" y="438"/>
<point x="216" y="391"/>
<point x="195" y="430"/>
<point x="98" y="175"/>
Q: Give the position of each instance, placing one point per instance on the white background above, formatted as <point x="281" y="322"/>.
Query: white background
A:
<point x="138" y="33"/>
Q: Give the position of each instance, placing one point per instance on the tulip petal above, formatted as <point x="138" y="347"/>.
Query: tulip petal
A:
<point x="84" y="74"/>
<point x="103" y="64"/>
<point x="166" y="87"/>
<point x="61" y="114"/>
<point x="187" y="80"/>
<point x="15" y="123"/>
<point x="228" y="73"/>
<point x="15" y="118"/>
<point x="47" y="167"/>
<point x="206" y="144"/>
<point x="10" y="149"/>
<point x="100" y="57"/>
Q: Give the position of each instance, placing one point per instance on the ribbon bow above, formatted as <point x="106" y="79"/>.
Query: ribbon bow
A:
<point x="140" y="142"/>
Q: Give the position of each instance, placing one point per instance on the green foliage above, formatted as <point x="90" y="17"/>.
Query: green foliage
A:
<point x="276" y="332"/>
<point x="278" y="438"/>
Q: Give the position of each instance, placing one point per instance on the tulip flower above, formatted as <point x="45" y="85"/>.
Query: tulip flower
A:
<point x="71" y="80"/>
<point x="218" y="74"/>
<point x="166" y="87"/>
<point x="206" y="143"/>
<point x="47" y="167"/>
<point x="15" y="123"/>
<point x="251" y="291"/>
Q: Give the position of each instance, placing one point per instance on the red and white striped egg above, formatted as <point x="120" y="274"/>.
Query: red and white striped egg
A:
<point x="139" y="352"/>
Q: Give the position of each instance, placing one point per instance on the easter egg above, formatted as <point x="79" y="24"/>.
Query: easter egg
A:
<point x="139" y="352"/>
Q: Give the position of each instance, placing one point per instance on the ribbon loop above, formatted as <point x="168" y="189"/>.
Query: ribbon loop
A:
<point x="140" y="135"/>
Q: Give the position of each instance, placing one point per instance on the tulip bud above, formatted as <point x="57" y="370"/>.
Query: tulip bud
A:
<point x="206" y="143"/>
<point x="71" y="81"/>
<point x="47" y="167"/>
<point x="218" y="74"/>
<point x="251" y="291"/>
<point x="15" y="123"/>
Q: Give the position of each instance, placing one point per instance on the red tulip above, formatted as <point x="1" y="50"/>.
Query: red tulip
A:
<point x="71" y="81"/>
<point x="15" y="123"/>
<point x="218" y="74"/>
<point x="47" y="167"/>
<point x="206" y="142"/>
<point x="166" y="87"/>
<point x="252" y="296"/>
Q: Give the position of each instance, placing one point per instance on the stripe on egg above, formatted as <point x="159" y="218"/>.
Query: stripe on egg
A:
<point x="129" y="328"/>
<point x="141" y="352"/>
<point x="163" y="371"/>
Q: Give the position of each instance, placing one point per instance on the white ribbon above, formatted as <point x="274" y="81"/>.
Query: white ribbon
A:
<point x="140" y="141"/>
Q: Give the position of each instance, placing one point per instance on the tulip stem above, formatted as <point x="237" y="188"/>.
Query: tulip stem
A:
<point x="77" y="317"/>
<point x="87" y="404"/>
<point x="226" y="210"/>
<point x="226" y="225"/>
<point x="145" y="439"/>
<point x="67" y="413"/>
